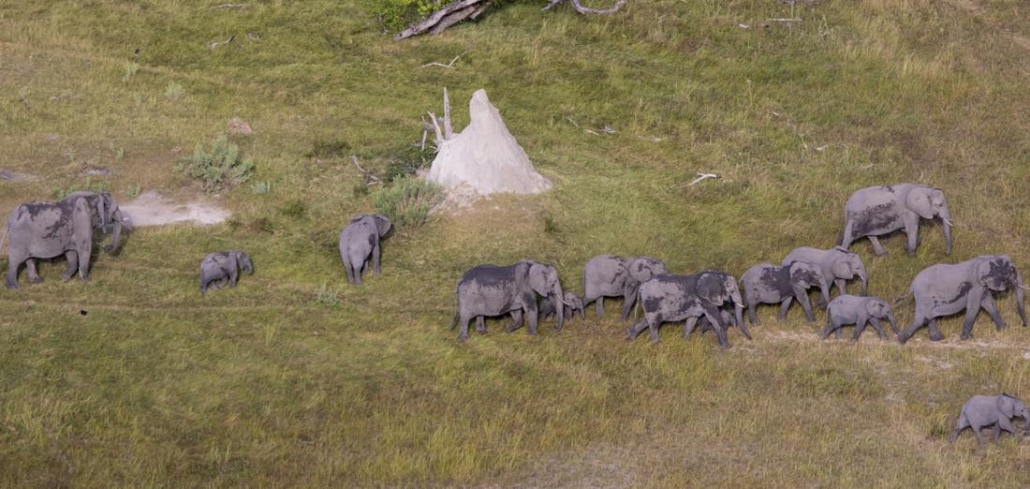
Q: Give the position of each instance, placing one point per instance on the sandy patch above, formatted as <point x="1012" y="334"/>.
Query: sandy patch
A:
<point x="153" y="209"/>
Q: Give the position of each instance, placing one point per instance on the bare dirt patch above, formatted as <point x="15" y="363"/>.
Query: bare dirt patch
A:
<point x="153" y="209"/>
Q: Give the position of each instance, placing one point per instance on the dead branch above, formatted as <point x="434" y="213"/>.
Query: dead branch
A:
<point x="587" y="10"/>
<point x="448" y="65"/>
<point x="437" y="17"/>
<point x="783" y="20"/>
<point x="214" y="45"/>
<point x="703" y="176"/>
<point x="448" y="130"/>
<point x="369" y="177"/>
<point x="229" y="6"/>
<point x="436" y="128"/>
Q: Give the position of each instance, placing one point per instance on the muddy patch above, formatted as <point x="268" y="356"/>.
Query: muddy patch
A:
<point x="153" y="209"/>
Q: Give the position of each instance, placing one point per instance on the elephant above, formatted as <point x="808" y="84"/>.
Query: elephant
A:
<point x="359" y="240"/>
<point x="668" y="298"/>
<point x="766" y="283"/>
<point x="545" y="309"/>
<point x="852" y="309"/>
<point x="981" y="411"/>
<point x="491" y="290"/>
<point x="878" y="211"/>
<point x="616" y="276"/>
<point x="837" y="265"/>
<point x="943" y="290"/>
<point x="107" y="215"/>
<point x="221" y="267"/>
<point x="47" y="230"/>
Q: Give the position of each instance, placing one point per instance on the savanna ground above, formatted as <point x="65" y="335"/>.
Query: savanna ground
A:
<point x="297" y="379"/>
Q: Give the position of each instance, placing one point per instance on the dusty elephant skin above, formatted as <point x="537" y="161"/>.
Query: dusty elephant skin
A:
<point x="616" y="276"/>
<point x="491" y="290"/>
<point x="879" y="211"/>
<point x="837" y="265"/>
<point x="47" y="230"/>
<point x="359" y="242"/>
<point x="943" y="290"/>
<point x="982" y="411"/>
<point x="223" y="267"/>
<point x="672" y="298"/>
<point x="105" y="215"/>
<point x="766" y="283"/>
<point x="851" y="309"/>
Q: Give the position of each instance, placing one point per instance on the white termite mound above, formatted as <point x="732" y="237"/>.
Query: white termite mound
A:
<point x="484" y="157"/>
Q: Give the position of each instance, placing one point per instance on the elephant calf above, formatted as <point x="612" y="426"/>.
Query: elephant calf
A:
<point x="850" y="309"/>
<point x="837" y="265"/>
<point x="668" y="298"/>
<point x="548" y="307"/>
<point x="223" y="267"/>
<point x="359" y="241"/>
<point x="766" y="283"/>
<point x="616" y="276"/>
<point x="982" y="411"/>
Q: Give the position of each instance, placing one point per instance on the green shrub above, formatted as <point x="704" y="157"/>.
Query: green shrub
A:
<point x="398" y="14"/>
<point x="174" y="91"/>
<point x="101" y="186"/>
<point x="220" y="168"/>
<point x="408" y="200"/>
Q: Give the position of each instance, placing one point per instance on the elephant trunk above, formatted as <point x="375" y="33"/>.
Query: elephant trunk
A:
<point x="116" y="238"/>
<point x="865" y="282"/>
<point x="560" y="297"/>
<point x="894" y="324"/>
<point x="102" y="210"/>
<point x="1019" y="304"/>
<point x="738" y="307"/>
<point x="946" y="219"/>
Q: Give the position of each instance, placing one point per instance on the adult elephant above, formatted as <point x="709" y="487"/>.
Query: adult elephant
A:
<point x="616" y="276"/>
<point x="943" y="290"/>
<point x="669" y="298"/>
<point x="491" y="290"/>
<point x="47" y="230"/>
<point x="878" y="211"/>
<point x="107" y="217"/>
<point x="837" y="265"/>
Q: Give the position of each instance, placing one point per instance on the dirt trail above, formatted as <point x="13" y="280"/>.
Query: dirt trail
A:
<point x="153" y="209"/>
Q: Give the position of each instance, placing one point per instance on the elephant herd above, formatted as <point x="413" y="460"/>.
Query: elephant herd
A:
<point x="715" y="300"/>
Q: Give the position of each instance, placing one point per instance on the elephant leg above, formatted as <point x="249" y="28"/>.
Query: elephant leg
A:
<point x="806" y="306"/>
<point x="988" y="305"/>
<point x="221" y="283"/>
<point x="784" y="307"/>
<point x="1003" y="424"/>
<point x="234" y="277"/>
<point x="480" y="325"/>
<point x="463" y="333"/>
<point x="976" y="432"/>
<point x="600" y="306"/>
<point x="629" y="299"/>
<point x="688" y="327"/>
<point x="71" y="256"/>
<point x="751" y="312"/>
<point x="356" y="269"/>
<point x="13" y="264"/>
<point x="912" y="232"/>
<point x="842" y="285"/>
<point x="972" y="311"/>
<point x="633" y="331"/>
<point x="517" y="320"/>
<point x="878" y="327"/>
<point x="720" y="331"/>
<point x="935" y="332"/>
<point x="84" y="253"/>
<point x="653" y="323"/>
<point x="877" y="247"/>
<point x="859" y="328"/>
<point x="743" y="329"/>
<point x="35" y="278"/>
<point x="839" y="333"/>
<point x="532" y="314"/>
<point x="919" y="322"/>
<point x="831" y="325"/>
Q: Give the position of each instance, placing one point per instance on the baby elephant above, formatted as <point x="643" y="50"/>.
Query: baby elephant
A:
<point x="573" y="305"/>
<point x="766" y="283"/>
<point x="223" y="267"/>
<point x="359" y="241"/>
<point x="981" y="411"/>
<point x="850" y="309"/>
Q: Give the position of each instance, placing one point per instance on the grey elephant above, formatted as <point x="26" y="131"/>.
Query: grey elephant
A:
<point x="50" y="229"/>
<point x="616" y="276"/>
<point x="852" y="309"/>
<point x="982" y="411"/>
<point x="491" y="290"/>
<point x="223" y="267"/>
<point x="546" y="308"/>
<point x="943" y="290"/>
<point x="837" y="265"/>
<point x="47" y="230"/>
<point x="766" y="283"/>
<point x="671" y="298"/>
<point x="359" y="242"/>
<point x="877" y="211"/>
<point x="107" y="217"/>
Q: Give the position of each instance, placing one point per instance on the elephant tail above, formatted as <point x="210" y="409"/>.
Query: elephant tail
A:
<point x="902" y="298"/>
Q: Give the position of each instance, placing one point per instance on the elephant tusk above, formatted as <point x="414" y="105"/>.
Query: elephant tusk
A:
<point x="739" y="304"/>
<point x="946" y="221"/>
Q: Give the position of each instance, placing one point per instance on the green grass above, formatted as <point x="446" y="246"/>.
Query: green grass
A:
<point x="297" y="379"/>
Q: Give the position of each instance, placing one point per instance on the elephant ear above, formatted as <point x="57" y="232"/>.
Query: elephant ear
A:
<point x="244" y="262"/>
<point x="1006" y="405"/>
<point x="875" y="307"/>
<point x="642" y="269"/>
<point x="710" y="288"/>
<point x="918" y="201"/>
<point x="983" y="273"/>
<point x="383" y="224"/>
<point x="842" y="269"/>
<point x="538" y="279"/>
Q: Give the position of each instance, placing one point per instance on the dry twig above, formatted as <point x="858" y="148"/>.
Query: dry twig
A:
<point x="369" y="177"/>
<point x="214" y="45"/>
<point x="448" y="65"/>
<point x="703" y="176"/>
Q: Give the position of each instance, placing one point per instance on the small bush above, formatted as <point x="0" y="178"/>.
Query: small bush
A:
<point x="328" y="149"/>
<point x="174" y="91"/>
<point x="131" y="67"/>
<point x="101" y="186"/>
<point x="397" y="14"/>
<point x="407" y="201"/>
<point x="327" y="297"/>
<point x="220" y="168"/>
<point x="134" y="190"/>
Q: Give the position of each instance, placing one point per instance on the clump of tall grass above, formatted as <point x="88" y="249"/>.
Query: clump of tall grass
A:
<point x="408" y="200"/>
<point x="89" y="185"/>
<point x="220" y="168"/>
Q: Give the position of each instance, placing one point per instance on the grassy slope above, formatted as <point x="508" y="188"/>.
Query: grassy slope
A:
<point x="264" y="385"/>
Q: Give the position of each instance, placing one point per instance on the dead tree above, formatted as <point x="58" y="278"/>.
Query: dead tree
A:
<point x="460" y="10"/>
